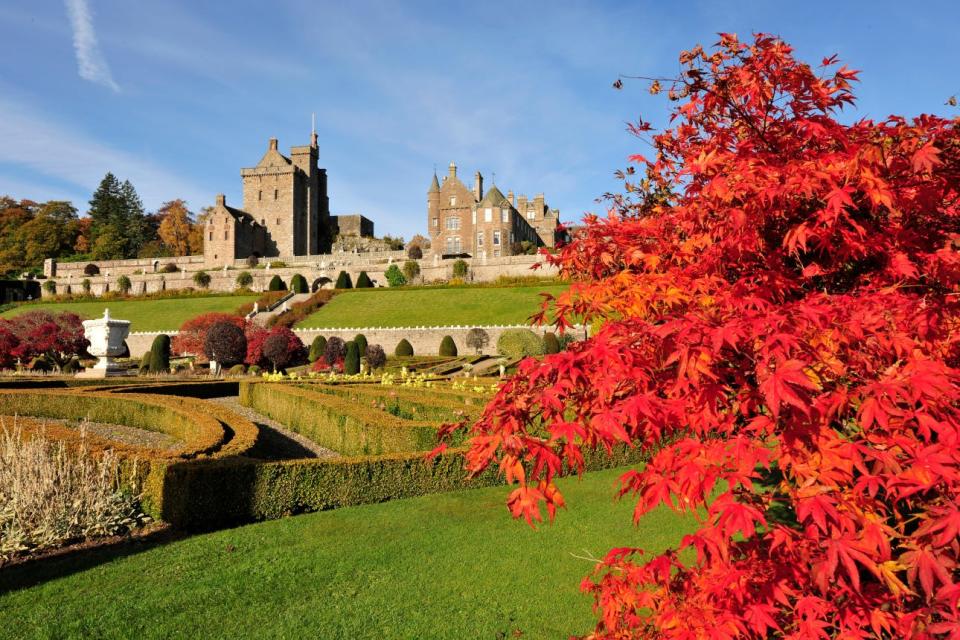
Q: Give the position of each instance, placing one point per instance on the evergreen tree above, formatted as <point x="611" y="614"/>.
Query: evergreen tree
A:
<point x="106" y="214"/>
<point x="134" y="225"/>
<point x="351" y="362"/>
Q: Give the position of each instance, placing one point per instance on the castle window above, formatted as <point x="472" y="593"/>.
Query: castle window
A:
<point x="531" y="215"/>
<point x="474" y="216"/>
<point x="211" y="236"/>
<point x="226" y="234"/>
<point x="436" y="223"/>
<point x="259" y="195"/>
<point x="276" y="194"/>
<point x="496" y="237"/>
<point x="453" y="223"/>
<point x="278" y="221"/>
<point x="496" y="253"/>
<point x="505" y="215"/>
<point x="480" y="239"/>
<point x="453" y="201"/>
<point x="488" y="215"/>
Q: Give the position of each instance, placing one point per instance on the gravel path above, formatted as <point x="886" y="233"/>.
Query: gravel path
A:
<point x="122" y="434"/>
<point x="279" y="442"/>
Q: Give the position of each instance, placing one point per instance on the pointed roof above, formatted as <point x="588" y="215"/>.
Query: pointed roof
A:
<point x="495" y="198"/>
<point x="273" y="157"/>
<point x="435" y="185"/>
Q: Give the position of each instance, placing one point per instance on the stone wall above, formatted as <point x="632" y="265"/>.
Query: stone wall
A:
<point x="352" y="225"/>
<point x="320" y="272"/>
<point x="75" y="270"/>
<point x="425" y="340"/>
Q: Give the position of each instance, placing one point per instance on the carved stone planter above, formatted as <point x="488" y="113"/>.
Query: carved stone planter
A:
<point x="106" y="337"/>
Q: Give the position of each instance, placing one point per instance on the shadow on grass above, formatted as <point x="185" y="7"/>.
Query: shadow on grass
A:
<point x="60" y="563"/>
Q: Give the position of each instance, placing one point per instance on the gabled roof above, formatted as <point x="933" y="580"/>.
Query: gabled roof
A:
<point x="495" y="198"/>
<point x="273" y="158"/>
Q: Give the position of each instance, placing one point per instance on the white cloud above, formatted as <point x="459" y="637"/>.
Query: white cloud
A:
<point x="65" y="156"/>
<point x="90" y="62"/>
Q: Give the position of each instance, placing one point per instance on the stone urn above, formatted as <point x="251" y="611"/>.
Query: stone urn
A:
<point x="106" y="337"/>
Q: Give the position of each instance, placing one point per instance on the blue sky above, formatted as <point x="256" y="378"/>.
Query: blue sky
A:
<point x="178" y="96"/>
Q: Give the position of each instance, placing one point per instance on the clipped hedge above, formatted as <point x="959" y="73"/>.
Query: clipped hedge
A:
<point x="519" y="343"/>
<point x="338" y="423"/>
<point x="351" y="361"/>
<point x="205" y="495"/>
<point x="448" y="347"/>
<point x="317" y="348"/>
<point x="363" y="281"/>
<point x="199" y="433"/>
<point x="343" y="281"/>
<point x="551" y="344"/>
<point x="276" y="284"/>
<point x="298" y="284"/>
<point x="361" y="341"/>
<point x="404" y="349"/>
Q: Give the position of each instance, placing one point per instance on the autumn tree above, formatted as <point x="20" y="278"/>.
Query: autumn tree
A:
<point x="57" y="336"/>
<point x="176" y="226"/>
<point x="225" y="343"/>
<point x="775" y="298"/>
<point x="192" y="336"/>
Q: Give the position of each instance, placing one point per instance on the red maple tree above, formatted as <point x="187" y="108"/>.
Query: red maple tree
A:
<point x="776" y="302"/>
<point x="192" y="336"/>
<point x="57" y="336"/>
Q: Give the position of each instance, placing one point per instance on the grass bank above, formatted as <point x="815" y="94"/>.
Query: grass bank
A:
<point x="430" y="307"/>
<point x="443" y="566"/>
<point x="144" y="315"/>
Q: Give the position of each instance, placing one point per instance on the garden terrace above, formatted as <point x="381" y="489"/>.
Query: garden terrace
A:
<point x="428" y="306"/>
<point x="160" y="314"/>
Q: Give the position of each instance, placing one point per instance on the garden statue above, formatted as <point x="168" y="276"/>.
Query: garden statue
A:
<point x="106" y="337"/>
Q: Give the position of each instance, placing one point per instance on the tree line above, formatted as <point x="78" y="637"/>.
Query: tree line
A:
<point x="116" y="227"/>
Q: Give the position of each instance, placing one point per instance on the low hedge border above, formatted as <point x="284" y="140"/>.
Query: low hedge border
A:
<point x="219" y="493"/>
<point x="199" y="433"/>
<point x="336" y="422"/>
<point x="439" y="407"/>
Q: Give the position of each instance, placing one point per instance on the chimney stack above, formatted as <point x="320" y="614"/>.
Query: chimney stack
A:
<point x="273" y="144"/>
<point x="453" y="170"/>
<point x="221" y="200"/>
<point x="478" y="186"/>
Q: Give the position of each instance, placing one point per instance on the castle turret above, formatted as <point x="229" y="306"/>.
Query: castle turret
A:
<point x="433" y="206"/>
<point x="478" y="186"/>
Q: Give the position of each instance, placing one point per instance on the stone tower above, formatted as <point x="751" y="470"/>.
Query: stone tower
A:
<point x="288" y="197"/>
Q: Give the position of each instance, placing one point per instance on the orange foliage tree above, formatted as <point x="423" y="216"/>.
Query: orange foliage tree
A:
<point x="777" y="302"/>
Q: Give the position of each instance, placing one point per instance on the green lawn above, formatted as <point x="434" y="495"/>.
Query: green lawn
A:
<point x="430" y="307"/>
<point x="144" y="315"/>
<point x="444" y="566"/>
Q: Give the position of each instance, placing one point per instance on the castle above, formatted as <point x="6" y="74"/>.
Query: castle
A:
<point x="482" y="225"/>
<point x="286" y="211"/>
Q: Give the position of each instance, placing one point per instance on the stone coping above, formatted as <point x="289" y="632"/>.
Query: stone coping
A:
<point x="410" y="328"/>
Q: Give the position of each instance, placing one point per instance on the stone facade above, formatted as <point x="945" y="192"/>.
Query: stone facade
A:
<point x="461" y="220"/>
<point x="286" y="211"/>
<point x="353" y="225"/>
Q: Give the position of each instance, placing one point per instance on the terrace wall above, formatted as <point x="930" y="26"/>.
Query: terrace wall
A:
<point x="320" y="271"/>
<point x="425" y="340"/>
